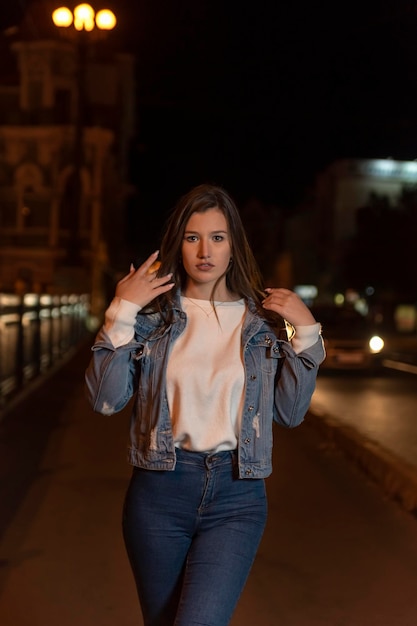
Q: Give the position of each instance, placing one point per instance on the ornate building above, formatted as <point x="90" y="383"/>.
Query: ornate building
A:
<point x="66" y="122"/>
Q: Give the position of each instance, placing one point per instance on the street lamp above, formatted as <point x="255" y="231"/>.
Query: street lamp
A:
<point x="79" y="25"/>
<point x="84" y="18"/>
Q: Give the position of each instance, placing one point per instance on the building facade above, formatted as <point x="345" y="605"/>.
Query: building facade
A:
<point x="348" y="185"/>
<point x="321" y="232"/>
<point x="67" y="118"/>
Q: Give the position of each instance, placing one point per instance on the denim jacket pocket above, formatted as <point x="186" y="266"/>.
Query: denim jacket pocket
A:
<point x="266" y="351"/>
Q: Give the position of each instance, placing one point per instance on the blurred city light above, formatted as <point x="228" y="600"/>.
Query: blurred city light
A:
<point x="105" y="19"/>
<point x="62" y="17"/>
<point x="376" y="344"/>
<point x="84" y="18"/>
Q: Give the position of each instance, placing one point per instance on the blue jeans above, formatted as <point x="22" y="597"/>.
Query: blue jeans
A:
<point x="191" y="536"/>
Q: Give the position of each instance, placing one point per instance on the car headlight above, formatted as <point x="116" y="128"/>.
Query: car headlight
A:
<point x="376" y="344"/>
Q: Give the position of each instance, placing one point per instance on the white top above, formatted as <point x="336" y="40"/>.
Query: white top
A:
<point x="205" y="377"/>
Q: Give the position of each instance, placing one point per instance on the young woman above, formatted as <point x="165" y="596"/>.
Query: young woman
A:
<point x="198" y="343"/>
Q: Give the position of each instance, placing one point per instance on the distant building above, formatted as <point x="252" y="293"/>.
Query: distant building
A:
<point x="320" y="232"/>
<point x="348" y="185"/>
<point x="66" y="115"/>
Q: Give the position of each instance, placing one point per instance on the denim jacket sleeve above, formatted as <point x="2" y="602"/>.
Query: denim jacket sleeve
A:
<point x="296" y="382"/>
<point x="111" y="376"/>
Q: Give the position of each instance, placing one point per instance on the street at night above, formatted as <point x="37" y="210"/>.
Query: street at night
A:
<point x="336" y="550"/>
<point x="305" y="113"/>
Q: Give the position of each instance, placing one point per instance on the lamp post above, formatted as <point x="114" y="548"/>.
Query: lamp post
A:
<point x="81" y="24"/>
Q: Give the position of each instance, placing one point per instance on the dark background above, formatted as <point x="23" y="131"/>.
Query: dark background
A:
<point x="260" y="96"/>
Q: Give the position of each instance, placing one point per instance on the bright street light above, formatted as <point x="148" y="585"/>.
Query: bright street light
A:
<point x="84" y="18"/>
<point x="105" y="19"/>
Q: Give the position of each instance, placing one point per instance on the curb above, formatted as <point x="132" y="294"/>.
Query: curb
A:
<point x="397" y="478"/>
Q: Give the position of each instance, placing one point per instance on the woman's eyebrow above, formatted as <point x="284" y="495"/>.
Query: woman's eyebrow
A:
<point x="213" y="232"/>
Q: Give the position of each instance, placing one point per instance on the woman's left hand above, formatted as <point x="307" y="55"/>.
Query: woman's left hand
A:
<point x="287" y="304"/>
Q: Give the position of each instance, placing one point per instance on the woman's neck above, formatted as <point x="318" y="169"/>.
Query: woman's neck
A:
<point x="204" y="292"/>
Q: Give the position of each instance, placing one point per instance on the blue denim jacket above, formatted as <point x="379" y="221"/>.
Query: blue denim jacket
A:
<point x="279" y="385"/>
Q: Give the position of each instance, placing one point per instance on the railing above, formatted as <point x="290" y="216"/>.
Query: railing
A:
<point x="36" y="331"/>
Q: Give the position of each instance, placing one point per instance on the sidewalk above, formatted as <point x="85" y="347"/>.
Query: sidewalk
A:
<point x="63" y="474"/>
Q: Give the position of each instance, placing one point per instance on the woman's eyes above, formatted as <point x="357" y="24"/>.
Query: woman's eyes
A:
<point x="195" y="238"/>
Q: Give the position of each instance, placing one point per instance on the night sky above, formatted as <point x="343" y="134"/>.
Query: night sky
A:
<point x="260" y="96"/>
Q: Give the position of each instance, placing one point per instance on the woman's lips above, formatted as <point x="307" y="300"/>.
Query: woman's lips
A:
<point x="204" y="266"/>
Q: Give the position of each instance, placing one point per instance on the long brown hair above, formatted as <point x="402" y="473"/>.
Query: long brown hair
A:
<point x="242" y="276"/>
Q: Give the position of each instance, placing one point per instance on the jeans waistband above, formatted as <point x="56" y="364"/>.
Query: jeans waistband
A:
<point x="206" y="459"/>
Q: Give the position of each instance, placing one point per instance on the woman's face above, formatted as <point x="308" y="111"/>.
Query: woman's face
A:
<point x="206" y="251"/>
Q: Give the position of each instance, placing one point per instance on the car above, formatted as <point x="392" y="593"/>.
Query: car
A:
<point x="350" y="340"/>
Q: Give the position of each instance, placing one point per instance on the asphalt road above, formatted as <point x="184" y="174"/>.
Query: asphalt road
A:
<point x="336" y="552"/>
<point x="382" y="408"/>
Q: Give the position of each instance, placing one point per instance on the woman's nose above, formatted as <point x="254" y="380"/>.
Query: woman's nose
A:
<point x="204" y="249"/>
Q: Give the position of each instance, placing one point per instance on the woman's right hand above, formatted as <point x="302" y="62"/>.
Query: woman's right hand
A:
<point x="141" y="286"/>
